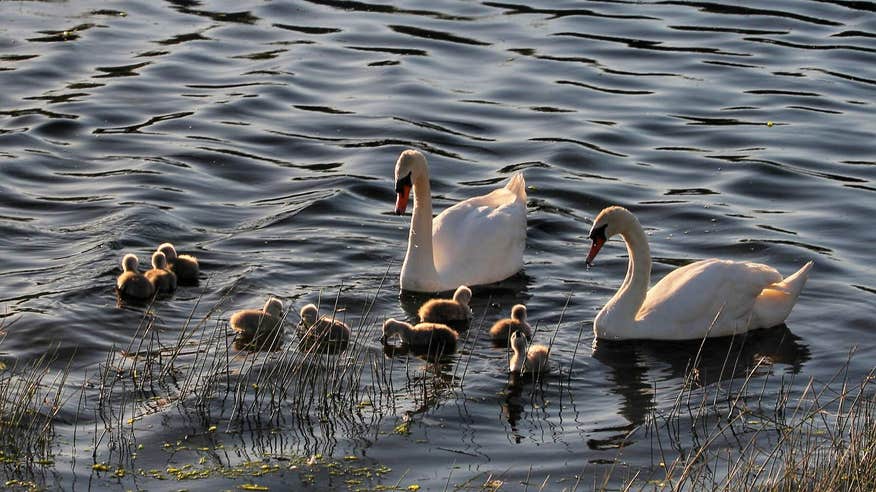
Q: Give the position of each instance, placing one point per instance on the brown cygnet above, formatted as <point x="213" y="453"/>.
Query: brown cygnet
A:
<point x="501" y="330"/>
<point x="431" y="338"/>
<point x="258" y="328"/>
<point x="161" y="278"/>
<point x="322" y="334"/>
<point x="454" y="313"/>
<point x="131" y="283"/>
<point x="185" y="267"/>
<point x="531" y="359"/>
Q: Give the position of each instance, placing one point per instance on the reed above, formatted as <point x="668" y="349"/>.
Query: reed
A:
<point x="742" y="438"/>
<point x="31" y="396"/>
<point x="736" y="433"/>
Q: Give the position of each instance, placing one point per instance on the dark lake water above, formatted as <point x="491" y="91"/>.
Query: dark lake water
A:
<point x="261" y="137"/>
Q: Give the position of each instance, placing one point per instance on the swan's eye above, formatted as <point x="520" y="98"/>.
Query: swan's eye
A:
<point x="598" y="233"/>
<point x="402" y="183"/>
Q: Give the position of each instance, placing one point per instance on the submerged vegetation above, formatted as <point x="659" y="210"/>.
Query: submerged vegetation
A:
<point x="261" y="419"/>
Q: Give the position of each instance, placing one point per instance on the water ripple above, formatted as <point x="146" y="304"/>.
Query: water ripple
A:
<point x="436" y="35"/>
<point x="138" y="128"/>
<point x="719" y="8"/>
<point x="643" y="44"/>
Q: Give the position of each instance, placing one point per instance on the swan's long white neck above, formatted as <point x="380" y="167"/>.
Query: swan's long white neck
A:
<point x="618" y="317"/>
<point x="418" y="270"/>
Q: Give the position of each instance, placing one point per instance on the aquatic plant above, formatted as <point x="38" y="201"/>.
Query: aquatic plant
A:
<point x="31" y="396"/>
<point x="732" y="437"/>
<point x="249" y="416"/>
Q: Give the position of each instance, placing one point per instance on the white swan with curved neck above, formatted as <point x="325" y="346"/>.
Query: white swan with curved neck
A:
<point x="708" y="298"/>
<point x="477" y="241"/>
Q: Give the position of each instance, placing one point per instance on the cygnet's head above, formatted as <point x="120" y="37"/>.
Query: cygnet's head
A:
<point x="393" y="327"/>
<point x="168" y="250"/>
<point x="518" y="342"/>
<point x="410" y="166"/>
<point x="610" y="221"/>
<point x="130" y="262"/>
<point x="159" y="261"/>
<point x="518" y="312"/>
<point x="274" y="307"/>
<point x="309" y="314"/>
<point x="462" y="295"/>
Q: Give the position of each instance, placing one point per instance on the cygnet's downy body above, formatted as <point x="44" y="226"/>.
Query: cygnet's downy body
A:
<point x="527" y="359"/>
<point x="185" y="267"/>
<point x="454" y="313"/>
<point x="161" y="278"/>
<point x="501" y="330"/>
<point x="429" y="338"/>
<point x="323" y="335"/>
<point x="132" y="284"/>
<point x="259" y="329"/>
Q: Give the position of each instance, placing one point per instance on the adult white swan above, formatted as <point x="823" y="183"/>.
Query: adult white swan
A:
<point x="706" y="298"/>
<point x="477" y="241"/>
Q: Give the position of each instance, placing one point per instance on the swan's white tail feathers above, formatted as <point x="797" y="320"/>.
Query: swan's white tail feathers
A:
<point x="774" y="304"/>
<point x="793" y="284"/>
<point x="517" y="185"/>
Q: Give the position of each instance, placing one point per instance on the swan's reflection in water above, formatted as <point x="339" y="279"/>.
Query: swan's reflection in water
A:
<point x="716" y="360"/>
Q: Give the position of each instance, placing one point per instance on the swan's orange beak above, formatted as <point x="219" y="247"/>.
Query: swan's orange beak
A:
<point x="597" y="245"/>
<point x="403" y="192"/>
<point x="597" y="235"/>
<point x="401" y="200"/>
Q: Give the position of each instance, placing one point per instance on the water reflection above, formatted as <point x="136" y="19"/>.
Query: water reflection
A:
<point x="513" y="402"/>
<point x="260" y="341"/>
<point x="425" y="388"/>
<point x="720" y="359"/>
<point x="188" y="7"/>
<point x="434" y="355"/>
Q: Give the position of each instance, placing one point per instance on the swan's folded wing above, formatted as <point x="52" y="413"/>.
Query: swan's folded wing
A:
<point x="480" y="240"/>
<point x="691" y="297"/>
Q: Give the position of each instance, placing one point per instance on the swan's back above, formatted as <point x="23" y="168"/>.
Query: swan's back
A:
<point x="257" y="329"/>
<point x="501" y="330"/>
<point x="185" y="267"/>
<point x="134" y="285"/>
<point x="537" y="359"/>
<point x="532" y="359"/>
<point x="481" y="240"/>
<point x="424" y="338"/>
<point x="163" y="280"/>
<point x="775" y="302"/>
<point x="711" y="293"/>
